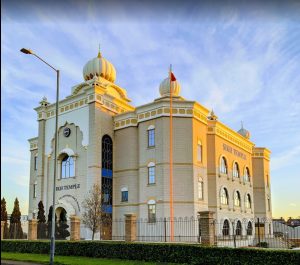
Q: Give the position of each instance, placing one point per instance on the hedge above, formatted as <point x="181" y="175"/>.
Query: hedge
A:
<point x="157" y="252"/>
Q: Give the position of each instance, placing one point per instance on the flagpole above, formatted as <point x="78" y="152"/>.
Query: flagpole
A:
<point x="171" y="160"/>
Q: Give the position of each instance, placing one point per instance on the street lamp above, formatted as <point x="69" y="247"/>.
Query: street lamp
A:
<point x="52" y="245"/>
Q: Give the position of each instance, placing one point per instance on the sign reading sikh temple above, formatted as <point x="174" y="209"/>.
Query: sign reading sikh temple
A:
<point x="68" y="187"/>
<point x="235" y="152"/>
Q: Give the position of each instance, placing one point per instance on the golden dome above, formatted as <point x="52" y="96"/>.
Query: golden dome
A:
<point x="164" y="87"/>
<point x="100" y="67"/>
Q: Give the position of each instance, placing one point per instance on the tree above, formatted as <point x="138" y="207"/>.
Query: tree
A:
<point x="63" y="233"/>
<point x="4" y="218"/>
<point x="50" y="223"/>
<point x="41" y="227"/>
<point x="15" y="227"/>
<point x="92" y="209"/>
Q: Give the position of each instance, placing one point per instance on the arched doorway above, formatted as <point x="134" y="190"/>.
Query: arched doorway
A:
<point x="61" y="223"/>
<point x="106" y="187"/>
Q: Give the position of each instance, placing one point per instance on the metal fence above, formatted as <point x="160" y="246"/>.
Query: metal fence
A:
<point x="226" y="233"/>
<point x="254" y="232"/>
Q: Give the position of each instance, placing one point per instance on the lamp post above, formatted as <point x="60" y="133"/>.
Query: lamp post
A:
<point x="52" y="245"/>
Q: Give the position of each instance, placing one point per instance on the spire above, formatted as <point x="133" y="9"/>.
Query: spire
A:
<point x="212" y="116"/>
<point x="99" y="53"/>
<point x="242" y="125"/>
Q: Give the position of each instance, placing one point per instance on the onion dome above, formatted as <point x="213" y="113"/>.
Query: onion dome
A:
<point x="245" y="133"/>
<point x="99" y="67"/>
<point x="164" y="87"/>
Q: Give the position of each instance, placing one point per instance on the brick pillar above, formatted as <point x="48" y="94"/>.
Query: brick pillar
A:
<point x="75" y="227"/>
<point x="130" y="227"/>
<point x="2" y="228"/>
<point x="207" y="228"/>
<point x="32" y="229"/>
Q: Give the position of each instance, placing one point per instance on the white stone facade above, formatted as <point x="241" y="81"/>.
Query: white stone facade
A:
<point x="98" y="107"/>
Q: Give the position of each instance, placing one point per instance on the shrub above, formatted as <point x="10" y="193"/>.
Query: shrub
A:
<point x="157" y="252"/>
<point x="262" y="245"/>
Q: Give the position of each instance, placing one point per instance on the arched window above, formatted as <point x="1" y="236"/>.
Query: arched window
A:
<point x="124" y="194"/>
<point x="249" y="229"/>
<point x="247" y="175"/>
<point x="151" y="211"/>
<point x="151" y="136"/>
<point x="238" y="230"/>
<point x="248" y="201"/>
<point x="199" y="151"/>
<point x="200" y="188"/>
<point x="223" y="165"/>
<point x="224" y="196"/>
<point x="236" y="171"/>
<point x="225" y="230"/>
<point x="67" y="167"/>
<point x="151" y="173"/>
<point x="237" y="199"/>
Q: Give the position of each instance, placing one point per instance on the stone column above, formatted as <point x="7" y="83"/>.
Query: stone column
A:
<point x="32" y="229"/>
<point x="206" y="222"/>
<point x="130" y="227"/>
<point x="2" y="229"/>
<point x="75" y="227"/>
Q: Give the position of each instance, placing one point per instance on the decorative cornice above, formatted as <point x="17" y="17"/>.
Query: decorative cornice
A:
<point x="217" y="128"/>
<point x="261" y="152"/>
<point x="33" y="143"/>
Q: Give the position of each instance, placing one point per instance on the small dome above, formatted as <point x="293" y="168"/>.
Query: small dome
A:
<point x="244" y="132"/>
<point x="99" y="67"/>
<point x="164" y="87"/>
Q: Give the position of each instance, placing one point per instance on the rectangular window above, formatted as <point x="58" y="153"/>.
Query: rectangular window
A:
<point x="199" y="152"/>
<point x="200" y="190"/>
<point x="151" y="213"/>
<point x="151" y="175"/>
<point x="124" y="196"/>
<point x="151" y="137"/>
<point x="35" y="163"/>
<point x="34" y="190"/>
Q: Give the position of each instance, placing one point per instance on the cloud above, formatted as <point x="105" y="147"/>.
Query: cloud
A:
<point x="286" y="159"/>
<point x="293" y="204"/>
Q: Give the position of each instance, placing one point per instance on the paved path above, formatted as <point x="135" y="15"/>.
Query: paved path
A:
<point x="12" y="262"/>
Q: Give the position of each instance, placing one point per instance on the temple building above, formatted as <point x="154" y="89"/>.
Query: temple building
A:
<point x="104" y="139"/>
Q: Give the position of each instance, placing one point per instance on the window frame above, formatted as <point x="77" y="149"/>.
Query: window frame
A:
<point x="124" y="191"/>
<point x="34" y="190"/>
<point x="151" y="137"/>
<point x="199" y="151"/>
<point x="226" y="228"/>
<point x="238" y="228"/>
<point x="223" y="165"/>
<point x="248" y="201"/>
<point x="151" y="168"/>
<point x="236" y="170"/>
<point x="200" y="188"/>
<point x="67" y="166"/>
<point x="224" y="197"/>
<point x="35" y="162"/>
<point x="151" y="208"/>
<point x="237" y="198"/>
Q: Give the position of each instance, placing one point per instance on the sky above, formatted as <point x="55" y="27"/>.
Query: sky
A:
<point x="240" y="59"/>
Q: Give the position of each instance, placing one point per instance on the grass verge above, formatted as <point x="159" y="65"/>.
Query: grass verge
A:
<point x="69" y="260"/>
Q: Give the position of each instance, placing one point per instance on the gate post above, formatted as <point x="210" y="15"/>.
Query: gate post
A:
<point x="75" y="227"/>
<point x="32" y="229"/>
<point x="130" y="227"/>
<point x="207" y="228"/>
<point x="2" y="229"/>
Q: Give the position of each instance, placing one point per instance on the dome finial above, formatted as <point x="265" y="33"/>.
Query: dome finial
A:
<point x="212" y="116"/>
<point x="243" y="131"/>
<point x="99" y="53"/>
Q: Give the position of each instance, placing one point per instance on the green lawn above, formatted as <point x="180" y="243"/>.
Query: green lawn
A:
<point x="66" y="260"/>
